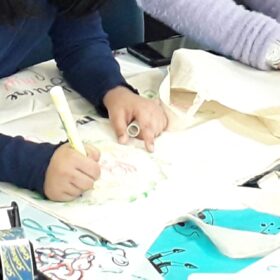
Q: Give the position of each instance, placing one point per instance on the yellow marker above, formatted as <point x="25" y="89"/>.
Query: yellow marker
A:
<point x="67" y="120"/>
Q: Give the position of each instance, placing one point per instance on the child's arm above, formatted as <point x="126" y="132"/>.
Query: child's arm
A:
<point x="23" y="163"/>
<point x="220" y="25"/>
<point x="46" y="168"/>
<point x="83" y="53"/>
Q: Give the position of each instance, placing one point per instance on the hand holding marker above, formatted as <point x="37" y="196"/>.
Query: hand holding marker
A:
<point x="72" y="169"/>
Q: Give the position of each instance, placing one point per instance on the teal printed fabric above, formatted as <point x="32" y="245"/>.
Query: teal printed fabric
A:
<point x="183" y="249"/>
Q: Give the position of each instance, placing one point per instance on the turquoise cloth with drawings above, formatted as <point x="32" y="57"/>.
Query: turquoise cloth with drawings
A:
<point x="184" y="249"/>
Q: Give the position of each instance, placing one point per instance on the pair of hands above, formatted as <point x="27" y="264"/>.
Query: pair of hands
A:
<point x="70" y="173"/>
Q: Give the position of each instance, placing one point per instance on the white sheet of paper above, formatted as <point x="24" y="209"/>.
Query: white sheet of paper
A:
<point x="4" y="220"/>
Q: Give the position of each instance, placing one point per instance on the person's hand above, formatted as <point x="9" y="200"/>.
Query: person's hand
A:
<point x="70" y="173"/>
<point x="124" y="107"/>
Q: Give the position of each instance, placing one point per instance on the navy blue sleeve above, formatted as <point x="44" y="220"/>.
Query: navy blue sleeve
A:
<point x="82" y="52"/>
<point x="24" y="163"/>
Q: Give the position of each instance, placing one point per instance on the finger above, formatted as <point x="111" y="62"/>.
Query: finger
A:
<point x="81" y="181"/>
<point x="72" y="191"/>
<point x="67" y="193"/>
<point x="92" y="152"/>
<point x="88" y="167"/>
<point x="148" y="137"/>
<point x="151" y="128"/>
<point x="119" y="123"/>
<point x="162" y="122"/>
<point x="64" y="198"/>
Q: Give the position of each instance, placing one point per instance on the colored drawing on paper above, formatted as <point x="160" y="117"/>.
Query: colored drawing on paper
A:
<point x="127" y="174"/>
<point x="71" y="263"/>
<point x="64" y="264"/>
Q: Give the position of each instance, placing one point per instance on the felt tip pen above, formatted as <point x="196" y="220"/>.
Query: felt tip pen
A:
<point x="62" y="107"/>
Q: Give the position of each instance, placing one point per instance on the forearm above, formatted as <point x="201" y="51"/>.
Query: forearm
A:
<point x="83" y="53"/>
<point x="92" y="76"/>
<point x="220" y="25"/>
<point x="24" y="163"/>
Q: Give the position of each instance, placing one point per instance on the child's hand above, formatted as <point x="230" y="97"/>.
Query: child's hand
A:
<point x="70" y="173"/>
<point x="124" y="107"/>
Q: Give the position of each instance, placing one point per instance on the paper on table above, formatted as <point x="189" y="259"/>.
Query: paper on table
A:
<point x="4" y="221"/>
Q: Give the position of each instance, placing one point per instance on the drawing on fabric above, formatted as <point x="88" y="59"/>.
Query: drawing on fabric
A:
<point x="259" y="222"/>
<point x="190" y="229"/>
<point x="162" y="262"/>
<point x="58" y="260"/>
<point x="31" y="83"/>
<point x="73" y="264"/>
<point x="64" y="264"/>
<point x="27" y="91"/>
<point x="49" y="233"/>
<point x="127" y="174"/>
<point x="62" y="232"/>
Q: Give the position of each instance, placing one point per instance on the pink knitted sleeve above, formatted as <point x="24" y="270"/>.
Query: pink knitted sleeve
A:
<point x="221" y="25"/>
